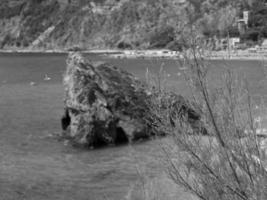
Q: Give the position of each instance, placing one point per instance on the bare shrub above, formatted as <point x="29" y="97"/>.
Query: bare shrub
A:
<point x="228" y="164"/>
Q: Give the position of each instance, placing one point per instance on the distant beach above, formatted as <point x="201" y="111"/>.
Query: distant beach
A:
<point x="156" y="53"/>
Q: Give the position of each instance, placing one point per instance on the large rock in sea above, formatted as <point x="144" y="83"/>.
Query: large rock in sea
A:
<point x="107" y="105"/>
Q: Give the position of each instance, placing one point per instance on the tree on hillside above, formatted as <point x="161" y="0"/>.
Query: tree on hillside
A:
<point x="258" y="18"/>
<point x="227" y="17"/>
<point x="218" y="22"/>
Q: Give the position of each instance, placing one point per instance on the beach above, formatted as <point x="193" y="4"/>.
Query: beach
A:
<point x="155" y="53"/>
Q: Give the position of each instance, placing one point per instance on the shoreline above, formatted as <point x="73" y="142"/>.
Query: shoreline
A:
<point x="157" y="53"/>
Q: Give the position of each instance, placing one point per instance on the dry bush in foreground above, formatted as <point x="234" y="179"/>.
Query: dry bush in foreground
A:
<point x="228" y="164"/>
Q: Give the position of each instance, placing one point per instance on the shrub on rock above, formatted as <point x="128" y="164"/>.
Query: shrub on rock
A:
<point x="106" y="105"/>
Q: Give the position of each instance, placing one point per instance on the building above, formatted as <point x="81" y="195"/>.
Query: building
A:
<point x="234" y="42"/>
<point x="264" y="43"/>
<point x="246" y="17"/>
<point x="242" y="24"/>
<point x="263" y="46"/>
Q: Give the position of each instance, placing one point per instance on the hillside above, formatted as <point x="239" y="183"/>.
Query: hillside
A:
<point x="63" y="24"/>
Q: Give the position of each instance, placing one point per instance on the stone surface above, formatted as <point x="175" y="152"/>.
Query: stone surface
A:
<point x="106" y="105"/>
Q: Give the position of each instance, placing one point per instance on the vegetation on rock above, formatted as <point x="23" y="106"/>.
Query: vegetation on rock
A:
<point x="106" y="105"/>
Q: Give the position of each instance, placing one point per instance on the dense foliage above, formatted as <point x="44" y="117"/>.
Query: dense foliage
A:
<point x="124" y="23"/>
<point x="258" y="21"/>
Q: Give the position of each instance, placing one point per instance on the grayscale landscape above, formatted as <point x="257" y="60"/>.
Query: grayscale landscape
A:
<point x="129" y="100"/>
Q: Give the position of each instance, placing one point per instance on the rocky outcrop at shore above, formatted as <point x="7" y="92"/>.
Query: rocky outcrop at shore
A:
<point x="106" y="105"/>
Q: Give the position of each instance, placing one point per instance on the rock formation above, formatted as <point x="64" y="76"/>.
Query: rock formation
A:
<point x="106" y="105"/>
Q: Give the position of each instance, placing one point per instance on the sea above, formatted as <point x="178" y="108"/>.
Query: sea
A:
<point x="34" y="164"/>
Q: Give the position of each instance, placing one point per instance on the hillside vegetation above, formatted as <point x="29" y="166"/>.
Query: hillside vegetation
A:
<point x="63" y="24"/>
